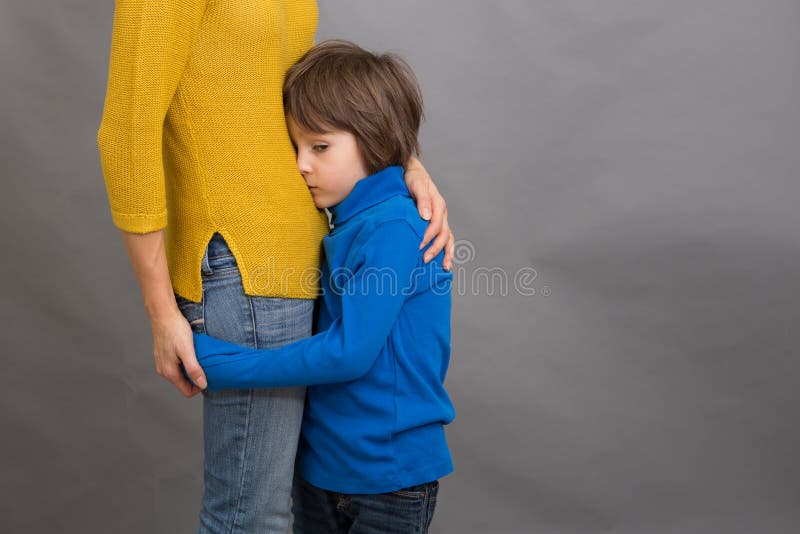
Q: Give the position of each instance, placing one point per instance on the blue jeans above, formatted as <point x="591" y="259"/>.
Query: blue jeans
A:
<point x="405" y="511"/>
<point x="249" y="435"/>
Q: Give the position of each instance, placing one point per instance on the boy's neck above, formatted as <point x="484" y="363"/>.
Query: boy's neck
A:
<point x="368" y="191"/>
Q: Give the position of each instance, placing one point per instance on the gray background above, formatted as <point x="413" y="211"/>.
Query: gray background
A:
<point x="641" y="156"/>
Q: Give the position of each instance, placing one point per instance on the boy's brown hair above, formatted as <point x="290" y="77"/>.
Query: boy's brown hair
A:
<point x="339" y="85"/>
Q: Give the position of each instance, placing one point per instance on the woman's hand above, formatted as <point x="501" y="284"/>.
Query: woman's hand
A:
<point x="173" y="345"/>
<point x="172" y="335"/>
<point x="431" y="206"/>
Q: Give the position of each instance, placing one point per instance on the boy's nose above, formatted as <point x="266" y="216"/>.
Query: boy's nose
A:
<point x="302" y="165"/>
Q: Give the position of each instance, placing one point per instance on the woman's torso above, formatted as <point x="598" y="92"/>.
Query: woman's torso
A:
<point x="225" y="157"/>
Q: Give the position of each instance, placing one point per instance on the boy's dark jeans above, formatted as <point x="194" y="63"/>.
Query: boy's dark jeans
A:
<point x="406" y="511"/>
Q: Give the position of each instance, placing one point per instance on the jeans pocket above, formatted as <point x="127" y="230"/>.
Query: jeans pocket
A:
<point x="408" y="494"/>
<point x="193" y="312"/>
<point x="417" y="492"/>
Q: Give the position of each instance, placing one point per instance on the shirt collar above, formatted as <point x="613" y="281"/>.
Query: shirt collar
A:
<point x="369" y="191"/>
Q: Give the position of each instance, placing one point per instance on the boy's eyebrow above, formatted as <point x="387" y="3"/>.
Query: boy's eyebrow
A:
<point x="313" y="135"/>
<point x="319" y="128"/>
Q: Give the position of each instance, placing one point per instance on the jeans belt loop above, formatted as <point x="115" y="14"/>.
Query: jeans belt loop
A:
<point x="205" y="265"/>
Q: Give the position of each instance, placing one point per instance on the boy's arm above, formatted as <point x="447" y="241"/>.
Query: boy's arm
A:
<point x="371" y="301"/>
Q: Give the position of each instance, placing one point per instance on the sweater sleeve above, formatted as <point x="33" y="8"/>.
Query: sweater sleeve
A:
<point x="150" y="45"/>
<point x="371" y="301"/>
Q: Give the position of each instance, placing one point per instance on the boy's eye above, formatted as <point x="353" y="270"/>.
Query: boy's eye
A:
<point x="320" y="148"/>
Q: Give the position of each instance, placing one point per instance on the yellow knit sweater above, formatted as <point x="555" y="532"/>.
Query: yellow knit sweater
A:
<point x="193" y="138"/>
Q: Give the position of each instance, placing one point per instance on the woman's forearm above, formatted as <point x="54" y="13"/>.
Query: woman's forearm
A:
<point x="413" y="162"/>
<point x="172" y="335"/>
<point x="149" y="260"/>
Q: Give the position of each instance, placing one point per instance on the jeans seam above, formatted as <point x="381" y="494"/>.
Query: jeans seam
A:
<point x="429" y="509"/>
<point x="203" y="308"/>
<point x="253" y="321"/>
<point x="423" y="516"/>
<point x="235" y="523"/>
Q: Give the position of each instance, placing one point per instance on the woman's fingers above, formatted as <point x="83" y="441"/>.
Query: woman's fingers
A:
<point x="438" y="245"/>
<point x="193" y="369"/>
<point x="174" y="375"/>
<point x="433" y="208"/>
<point x="420" y="189"/>
<point x="438" y="218"/>
<point x="449" y="253"/>
<point x="173" y="349"/>
<point x="438" y="228"/>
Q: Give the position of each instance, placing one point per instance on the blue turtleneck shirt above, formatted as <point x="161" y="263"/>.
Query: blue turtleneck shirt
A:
<point x="376" y="405"/>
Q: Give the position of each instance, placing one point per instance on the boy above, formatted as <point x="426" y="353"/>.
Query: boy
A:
<point x="372" y="446"/>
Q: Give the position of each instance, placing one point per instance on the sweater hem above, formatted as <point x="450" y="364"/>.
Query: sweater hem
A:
<point x="139" y="223"/>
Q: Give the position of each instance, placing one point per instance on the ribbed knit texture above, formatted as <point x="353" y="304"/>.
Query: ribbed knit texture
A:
<point x="193" y="138"/>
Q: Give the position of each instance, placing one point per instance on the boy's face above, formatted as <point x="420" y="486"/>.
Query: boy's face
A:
<point x="330" y="163"/>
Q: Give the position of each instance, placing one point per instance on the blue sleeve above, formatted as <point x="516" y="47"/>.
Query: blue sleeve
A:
<point x="371" y="301"/>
